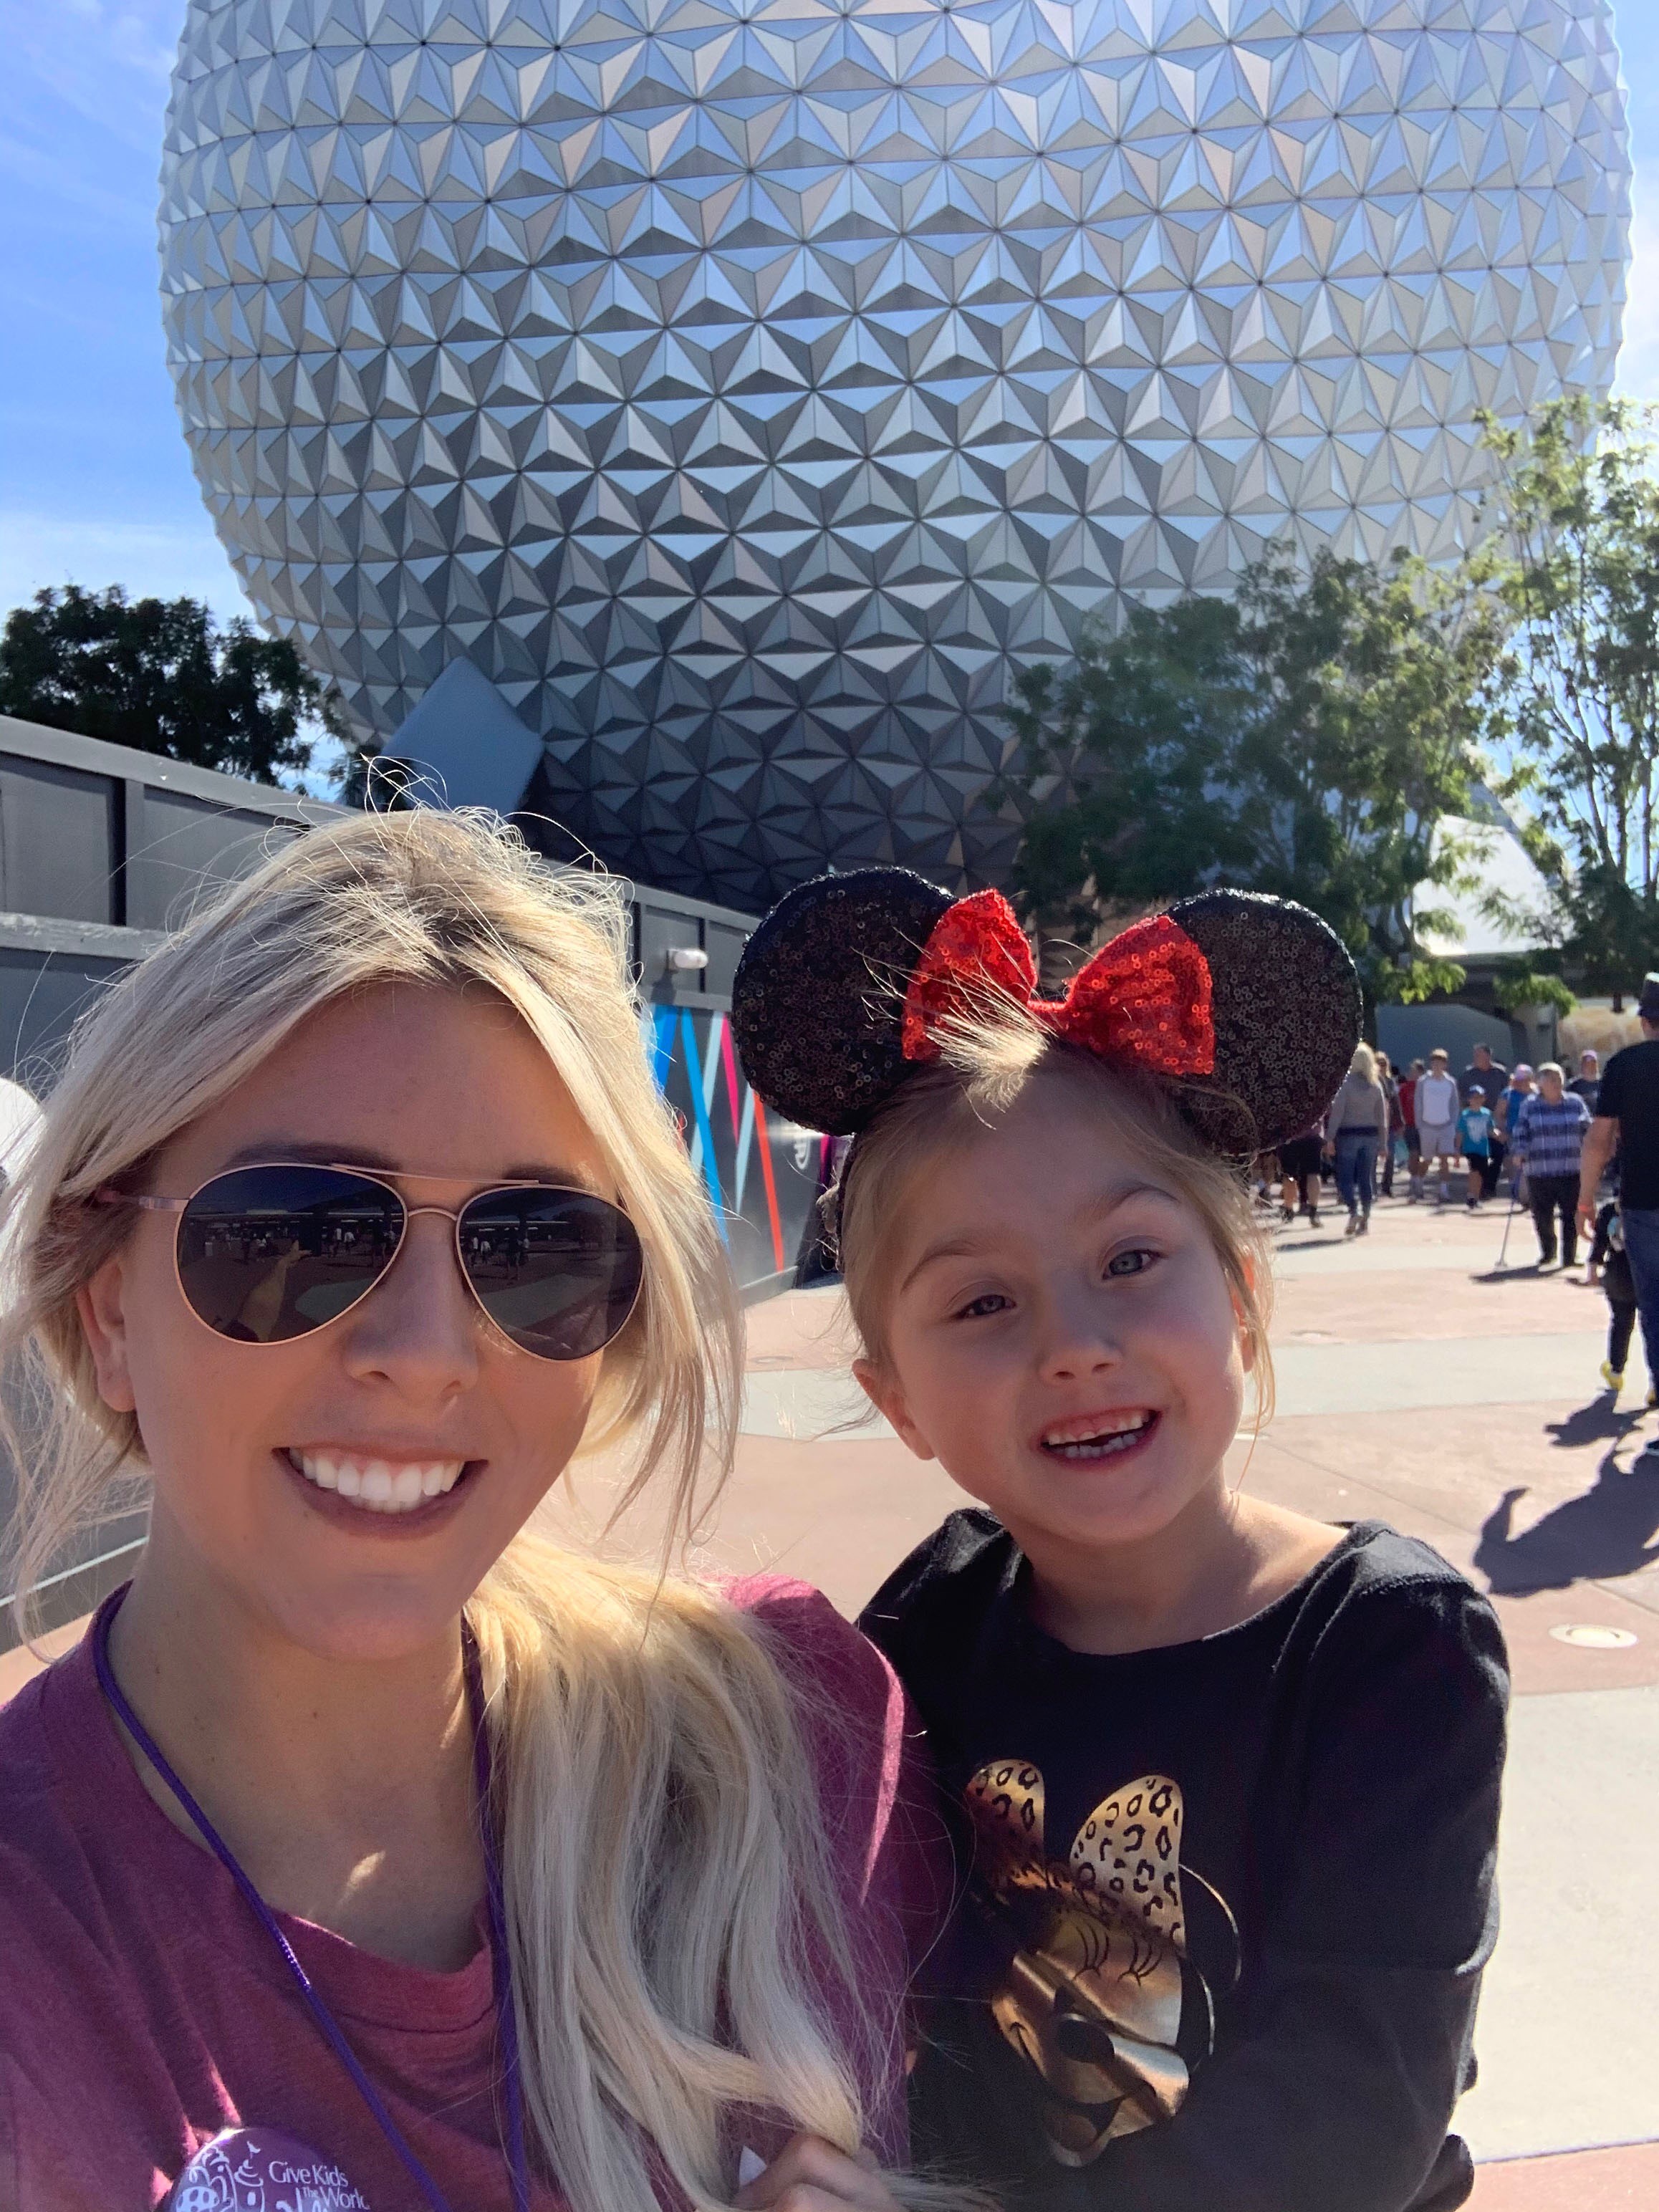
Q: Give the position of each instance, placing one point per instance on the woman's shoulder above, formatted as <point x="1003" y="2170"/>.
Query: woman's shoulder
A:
<point x="865" y="1746"/>
<point x="848" y="1698"/>
<point x="46" y="1741"/>
<point x="53" y="1902"/>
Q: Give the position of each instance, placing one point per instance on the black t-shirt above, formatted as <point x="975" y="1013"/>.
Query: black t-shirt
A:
<point x="1630" y="1095"/>
<point x="1493" y="1082"/>
<point x="1225" y="1903"/>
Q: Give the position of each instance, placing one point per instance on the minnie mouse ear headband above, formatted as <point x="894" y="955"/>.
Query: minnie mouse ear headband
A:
<point x="1247" y="1008"/>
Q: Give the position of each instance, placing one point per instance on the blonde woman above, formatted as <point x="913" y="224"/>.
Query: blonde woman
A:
<point x="1356" y="1130"/>
<point x="368" y="1841"/>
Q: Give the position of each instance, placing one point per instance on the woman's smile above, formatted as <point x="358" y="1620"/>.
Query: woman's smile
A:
<point x="389" y="1484"/>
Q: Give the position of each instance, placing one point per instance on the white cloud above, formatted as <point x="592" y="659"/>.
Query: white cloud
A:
<point x="37" y="550"/>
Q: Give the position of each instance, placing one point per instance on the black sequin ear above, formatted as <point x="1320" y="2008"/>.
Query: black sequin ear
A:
<point x="818" y="999"/>
<point x="1286" y="1008"/>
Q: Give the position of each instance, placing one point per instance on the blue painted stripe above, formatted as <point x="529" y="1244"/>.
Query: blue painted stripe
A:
<point x="705" y="1143"/>
<point x="661" y="1043"/>
<point x="746" y="1145"/>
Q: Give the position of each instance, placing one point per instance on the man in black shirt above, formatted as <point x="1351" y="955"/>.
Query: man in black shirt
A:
<point x="1628" y="1116"/>
<point x="1487" y="1075"/>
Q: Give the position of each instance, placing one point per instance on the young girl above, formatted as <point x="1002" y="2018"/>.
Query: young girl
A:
<point x="1225" y="1778"/>
<point x="368" y="1851"/>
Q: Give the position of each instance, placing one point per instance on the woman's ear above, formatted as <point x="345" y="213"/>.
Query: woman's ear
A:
<point x="100" y="1303"/>
<point x="881" y="1387"/>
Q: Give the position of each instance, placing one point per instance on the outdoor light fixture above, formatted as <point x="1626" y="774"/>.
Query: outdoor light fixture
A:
<point x="687" y="956"/>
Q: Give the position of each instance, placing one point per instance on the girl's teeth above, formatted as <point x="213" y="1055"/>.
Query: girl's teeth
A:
<point x="1101" y="1444"/>
<point x="376" y="1485"/>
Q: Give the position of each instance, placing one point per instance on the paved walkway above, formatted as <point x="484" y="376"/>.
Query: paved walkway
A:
<point x="1418" y="1383"/>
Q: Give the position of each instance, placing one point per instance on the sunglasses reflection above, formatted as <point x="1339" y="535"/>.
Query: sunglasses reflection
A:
<point x="265" y="1255"/>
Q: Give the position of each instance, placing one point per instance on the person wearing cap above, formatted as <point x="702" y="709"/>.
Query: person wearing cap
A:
<point x="1627" y="1118"/>
<point x="1489" y="1078"/>
<point x="1475" y="1138"/>
<point x="1438" y="1106"/>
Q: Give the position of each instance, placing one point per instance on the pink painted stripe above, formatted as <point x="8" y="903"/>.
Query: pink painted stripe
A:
<point x="728" y="1060"/>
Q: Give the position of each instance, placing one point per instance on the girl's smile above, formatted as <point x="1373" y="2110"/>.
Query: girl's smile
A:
<point x="1063" y="1338"/>
<point x="1100" y="1436"/>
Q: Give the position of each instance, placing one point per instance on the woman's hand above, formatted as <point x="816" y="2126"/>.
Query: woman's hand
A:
<point x="809" y="2175"/>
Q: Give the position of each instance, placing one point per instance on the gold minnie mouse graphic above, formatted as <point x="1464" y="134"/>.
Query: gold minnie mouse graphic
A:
<point x="1093" y="1995"/>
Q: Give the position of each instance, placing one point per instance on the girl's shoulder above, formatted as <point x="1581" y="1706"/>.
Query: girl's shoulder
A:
<point x="940" y="1594"/>
<point x="1379" y="1593"/>
<point x="1376" y="1602"/>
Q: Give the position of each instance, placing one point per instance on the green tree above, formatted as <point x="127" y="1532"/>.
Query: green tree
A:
<point x="367" y="780"/>
<point x="1130" y="757"/>
<point x="161" y="675"/>
<point x="1308" y="737"/>
<point x="1574" y="559"/>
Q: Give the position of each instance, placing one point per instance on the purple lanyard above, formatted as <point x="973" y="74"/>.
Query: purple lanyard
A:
<point x="501" y="1970"/>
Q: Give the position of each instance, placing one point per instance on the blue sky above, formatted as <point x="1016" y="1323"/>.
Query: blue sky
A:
<point x="95" y="483"/>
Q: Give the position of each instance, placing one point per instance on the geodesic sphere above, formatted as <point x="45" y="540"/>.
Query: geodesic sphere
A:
<point x="748" y="386"/>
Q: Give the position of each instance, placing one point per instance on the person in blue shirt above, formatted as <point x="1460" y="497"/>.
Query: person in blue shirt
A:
<point x="1475" y="1133"/>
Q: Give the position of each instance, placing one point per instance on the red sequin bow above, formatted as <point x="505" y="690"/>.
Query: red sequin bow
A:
<point x="1145" y="997"/>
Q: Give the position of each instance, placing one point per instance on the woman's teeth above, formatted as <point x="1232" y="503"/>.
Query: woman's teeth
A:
<point x="379" y="1485"/>
<point x="1097" y="1436"/>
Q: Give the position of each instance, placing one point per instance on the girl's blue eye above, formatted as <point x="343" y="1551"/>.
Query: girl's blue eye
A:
<point x="1134" y="1262"/>
<point x="989" y="1301"/>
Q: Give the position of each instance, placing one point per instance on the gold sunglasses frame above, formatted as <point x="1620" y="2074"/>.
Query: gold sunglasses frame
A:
<point x="148" y="1203"/>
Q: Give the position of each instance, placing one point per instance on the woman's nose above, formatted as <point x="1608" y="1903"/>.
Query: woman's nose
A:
<point x="418" y="1328"/>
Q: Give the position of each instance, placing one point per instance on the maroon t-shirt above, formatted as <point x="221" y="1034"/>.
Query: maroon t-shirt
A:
<point x="142" y="2007"/>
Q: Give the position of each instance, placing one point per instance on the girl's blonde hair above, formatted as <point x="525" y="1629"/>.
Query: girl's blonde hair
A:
<point x="667" y="1885"/>
<point x="1363" y="1064"/>
<point x="988" y="1059"/>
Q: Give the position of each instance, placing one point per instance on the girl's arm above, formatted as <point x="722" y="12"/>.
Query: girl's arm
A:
<point x="1358" y="2010"/>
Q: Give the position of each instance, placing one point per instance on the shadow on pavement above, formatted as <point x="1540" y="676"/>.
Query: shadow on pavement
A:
<point x="1607" y="1533"/>
<point x="1600" y="1422"/>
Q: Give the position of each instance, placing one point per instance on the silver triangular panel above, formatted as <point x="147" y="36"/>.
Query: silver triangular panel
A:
<point x="745" y="388"/>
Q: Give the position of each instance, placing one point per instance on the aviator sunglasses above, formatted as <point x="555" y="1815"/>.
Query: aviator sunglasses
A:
<point x="271" y="1252"/>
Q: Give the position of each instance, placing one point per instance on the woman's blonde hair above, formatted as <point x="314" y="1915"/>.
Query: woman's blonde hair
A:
<point x="1363" y="1064"/>
<point x="988" y="1059"/>
<point x="669" y="1899"/>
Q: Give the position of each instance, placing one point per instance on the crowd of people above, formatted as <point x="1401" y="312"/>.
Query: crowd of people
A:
<point x="1563" y="1146"/>
<point x="1433" y="1126"/>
